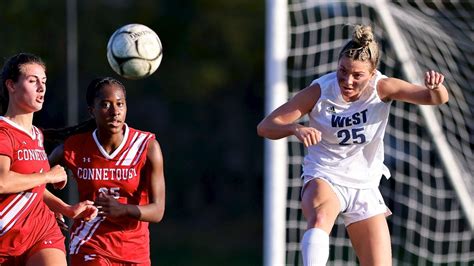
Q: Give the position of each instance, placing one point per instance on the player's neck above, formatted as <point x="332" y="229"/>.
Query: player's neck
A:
<point x="25" y="120"/>
<point x="110" y="142"/>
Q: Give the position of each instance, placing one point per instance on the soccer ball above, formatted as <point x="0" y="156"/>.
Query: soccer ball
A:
<point x="134" y="51"/>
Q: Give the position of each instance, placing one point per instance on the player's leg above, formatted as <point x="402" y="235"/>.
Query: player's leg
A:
<point x="49" y="249"/>
<point x="47" y="256"/>
<point x="320" y="206"/>
<point x="365" y="219"/>
<point x="371" y="240"/>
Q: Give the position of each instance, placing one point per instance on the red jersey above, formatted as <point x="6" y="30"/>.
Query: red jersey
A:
<point x="120" y="175"/>
<point x="24" y="216"/>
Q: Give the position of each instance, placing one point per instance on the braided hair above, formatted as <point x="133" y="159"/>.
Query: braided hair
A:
<point x="93" y="90"/>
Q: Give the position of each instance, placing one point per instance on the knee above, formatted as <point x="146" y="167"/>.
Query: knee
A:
<point x="319" y="216"/>
<point x="318" y="219"/>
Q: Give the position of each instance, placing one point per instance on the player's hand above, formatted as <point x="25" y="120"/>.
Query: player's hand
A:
<point x="57" y="176"/>
<point x="308" y="135"/>
<point x="109" y="206"/>
<point x="84" y="210"/>
<point x="433" y="79"/>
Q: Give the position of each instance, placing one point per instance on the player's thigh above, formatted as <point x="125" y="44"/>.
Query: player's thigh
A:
<point x="47" y="256"/>
<point x="48" y="250"/>
<point x="320" y="204"/>
<point x="371" y="241"/>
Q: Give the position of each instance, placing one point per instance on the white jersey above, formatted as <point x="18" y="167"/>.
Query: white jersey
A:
<point x="351" y="151"/>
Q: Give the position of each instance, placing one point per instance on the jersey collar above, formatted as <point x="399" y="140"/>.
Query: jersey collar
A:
<point x="32" y="134"/>
<point x="119" y="148"/>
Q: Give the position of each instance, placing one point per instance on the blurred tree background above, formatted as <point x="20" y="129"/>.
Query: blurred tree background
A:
<point x="203" y="104"/>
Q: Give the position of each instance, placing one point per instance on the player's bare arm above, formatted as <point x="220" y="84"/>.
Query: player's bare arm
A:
<point x="433" y="92"/>
<point x="82" y="210"/>
<point x="152" y="212"/>
<point x="281" y="122"/>
<point x="12" y="182"/>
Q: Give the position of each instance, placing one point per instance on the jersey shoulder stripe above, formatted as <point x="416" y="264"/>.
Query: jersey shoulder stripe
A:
<point x="135" y="149"/>
<point x="14" y="210"/>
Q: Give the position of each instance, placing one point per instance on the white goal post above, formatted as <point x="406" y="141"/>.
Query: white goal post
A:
<point x="275" y="169"/>
<point x="429" y="150"/>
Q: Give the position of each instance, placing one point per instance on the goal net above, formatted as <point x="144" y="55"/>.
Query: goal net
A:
<point x="429" y="150"/>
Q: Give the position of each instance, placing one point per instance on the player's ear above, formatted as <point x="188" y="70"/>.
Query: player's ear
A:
<point x="374" y="71"/>
<point x="10" y="85"/>
<point x="91" y="113"/>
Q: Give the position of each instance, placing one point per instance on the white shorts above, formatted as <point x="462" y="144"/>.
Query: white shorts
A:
<point x="356" y="204"/>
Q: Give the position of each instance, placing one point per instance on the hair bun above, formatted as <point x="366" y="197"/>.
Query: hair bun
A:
<point x="363" y="35"/>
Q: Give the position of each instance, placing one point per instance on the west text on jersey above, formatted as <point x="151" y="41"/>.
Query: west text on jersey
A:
<point x="346" y="121"/>
<point x="106" y="173"/>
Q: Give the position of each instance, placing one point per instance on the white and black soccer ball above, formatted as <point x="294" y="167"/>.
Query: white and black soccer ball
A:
<point x="134" y="51"/>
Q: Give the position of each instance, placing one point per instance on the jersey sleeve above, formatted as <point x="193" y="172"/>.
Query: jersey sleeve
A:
<point x="151" y="138"/>
<point x="379" y="76"/>
<point x="6" y="144"/>
<point x="68" y="152"/>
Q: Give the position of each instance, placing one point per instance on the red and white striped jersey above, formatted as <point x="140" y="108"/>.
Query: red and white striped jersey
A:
<point x="23" y="213"/>
<point x="120" y="175"/>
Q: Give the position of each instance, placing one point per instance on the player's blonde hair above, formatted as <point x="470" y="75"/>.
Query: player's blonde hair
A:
<point x="362" y="47"/>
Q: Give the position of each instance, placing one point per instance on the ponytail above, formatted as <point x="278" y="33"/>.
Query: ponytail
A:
<point x="61" y="134"/>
